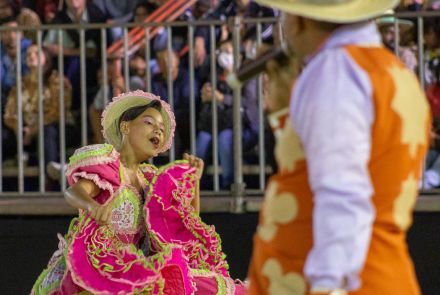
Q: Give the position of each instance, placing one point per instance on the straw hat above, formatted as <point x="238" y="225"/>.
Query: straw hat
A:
<point x="333" y="11"/>
<point x="125" y="101"/>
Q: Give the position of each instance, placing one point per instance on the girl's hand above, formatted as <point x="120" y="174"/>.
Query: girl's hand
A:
<point x="101" y="213"/>
<point x="196" y="163"/>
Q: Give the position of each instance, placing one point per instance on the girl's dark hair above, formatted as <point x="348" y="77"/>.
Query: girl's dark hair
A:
<point x="134" y="112"/>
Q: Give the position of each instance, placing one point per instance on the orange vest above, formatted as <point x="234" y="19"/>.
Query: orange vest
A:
<point x="399" y="142"/>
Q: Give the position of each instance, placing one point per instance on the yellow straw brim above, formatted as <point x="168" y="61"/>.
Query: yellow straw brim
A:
<point x="343" y="12"/>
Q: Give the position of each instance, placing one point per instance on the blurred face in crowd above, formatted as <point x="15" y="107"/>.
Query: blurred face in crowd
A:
<point x="225" y="57"/>
<point x="431" y="39"/>
<point x="32" y="57"/>
<point x="243" y="4"/>
<point x="140" y="14"/>
<point x="99" y="75"/>
<point x="166" y="61"/>
<point x="138" y="65"/>
<point x="5" y="9"/>
<point x="388" y="36"/>
<point x="9" y="38"/>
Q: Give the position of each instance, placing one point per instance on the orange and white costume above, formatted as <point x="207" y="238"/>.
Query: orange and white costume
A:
<point x="350" y="153"/>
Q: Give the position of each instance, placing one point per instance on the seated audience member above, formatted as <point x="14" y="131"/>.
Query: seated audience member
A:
<point x="387" y="30"/>
<point x="249" y="9"/>
<point x="24" y="16"/>
<point x="8" y="72"/>
<point x="431" y="177"/>
<point x="118" y="12"/>
<point x="100" y="101"/>
<point x="46" y="9"/>
<point x="8" y="55"/>
<point x="223" y="10"/>
<point x="223" y="95"/>
<point x="30" y="101"/>
<point x="76" y="12"/>
<point x="169" y="67"/>
<point x="179" y="39"/>
<point x="431" y="31"/>
<point x="138" y="70"/>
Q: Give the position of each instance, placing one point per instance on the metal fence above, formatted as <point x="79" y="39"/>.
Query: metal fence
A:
<point x="23" y="174"/>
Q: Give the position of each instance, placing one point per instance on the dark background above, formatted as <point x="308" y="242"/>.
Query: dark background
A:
<point x="26" y="244"/>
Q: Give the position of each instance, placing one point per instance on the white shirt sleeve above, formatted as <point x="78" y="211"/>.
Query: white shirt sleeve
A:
<point x="332" y="111"/>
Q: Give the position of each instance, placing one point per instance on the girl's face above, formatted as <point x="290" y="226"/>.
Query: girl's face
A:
<point x="32" y="57"/>
<point x="145" y="134"/>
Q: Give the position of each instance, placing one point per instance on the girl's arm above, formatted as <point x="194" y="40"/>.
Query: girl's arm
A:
<point x="81" y="196"/>
<point x="198" y="164"/>
<point x="196" y="201"/>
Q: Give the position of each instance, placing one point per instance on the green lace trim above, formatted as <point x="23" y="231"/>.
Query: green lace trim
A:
<point x="37" y="288"/>
<point x="221" y="285"/>
<point x="102" y="150"/>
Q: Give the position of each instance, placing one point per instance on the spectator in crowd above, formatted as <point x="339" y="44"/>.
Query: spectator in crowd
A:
<point x="223" y="10"/>
<point x="8" y="72"/>
<point x="169" y="67"/>
<point x="223" y="95"/>
<point x="8" y="9"/>
<point x="24" y="16"/>
<point x="412" y="5"/>
<point x="388" y="33"/>
<point x="179" y="35"/>
<point x="138" y="70"/>
<point x="76" y="12"/>
<point x="431" y="177"/>
<point x="138" y="64"/>
<point x="8" y="55"/>
<point x="250" y="9"/>
<point x="117" y="11"/>
<point x="142" y="10"/>
<point x="30" y="102"/>
<point x="100" y="101"/>
<point x="46" y="9"/>
<point x="431" y="31"/>
<point x="205" y="10"/>
<point x="434" y="5"/>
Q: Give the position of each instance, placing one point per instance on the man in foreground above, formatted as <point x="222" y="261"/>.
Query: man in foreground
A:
<point x="352" y="136"/>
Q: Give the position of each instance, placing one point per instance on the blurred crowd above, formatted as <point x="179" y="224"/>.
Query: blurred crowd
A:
<point x="169" y="66"/>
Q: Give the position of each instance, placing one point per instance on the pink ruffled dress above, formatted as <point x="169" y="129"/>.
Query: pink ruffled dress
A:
<point x="152" y="246"/>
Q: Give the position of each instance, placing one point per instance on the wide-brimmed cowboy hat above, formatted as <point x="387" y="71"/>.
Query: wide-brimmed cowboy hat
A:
<point x="333" y="11"/>
<point x="125" y="101"/>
